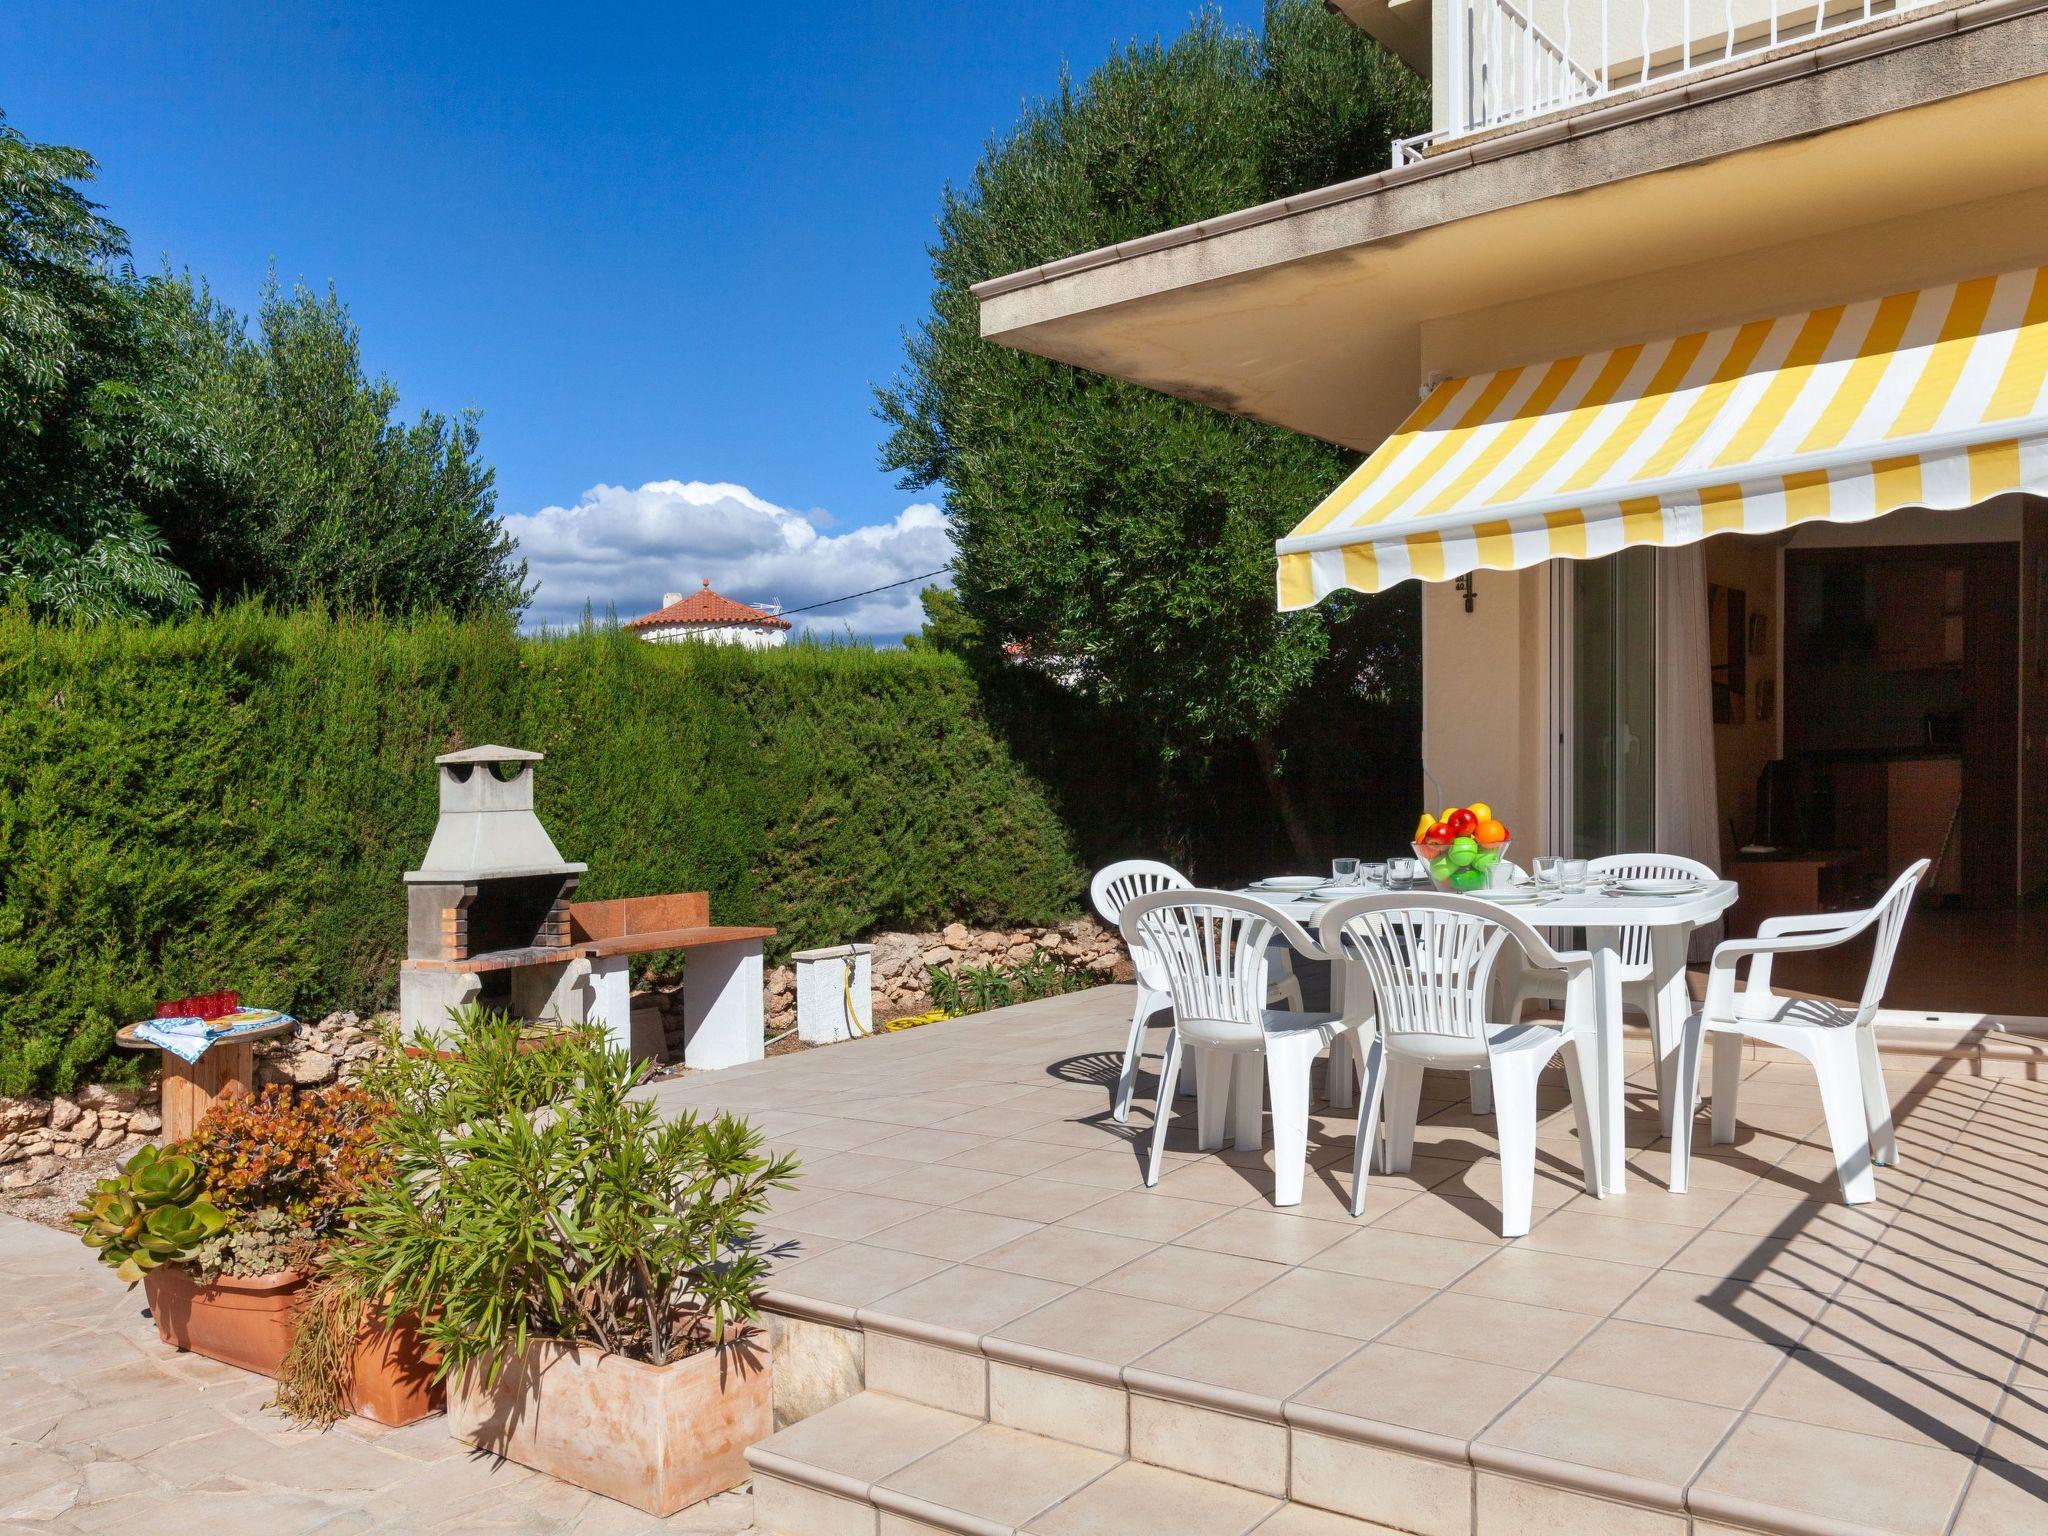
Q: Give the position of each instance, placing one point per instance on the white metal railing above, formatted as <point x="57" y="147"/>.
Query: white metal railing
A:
<point x="1512" y="60"/>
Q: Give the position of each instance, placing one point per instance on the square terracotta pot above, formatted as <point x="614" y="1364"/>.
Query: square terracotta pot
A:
<point x="658" y="1437"/>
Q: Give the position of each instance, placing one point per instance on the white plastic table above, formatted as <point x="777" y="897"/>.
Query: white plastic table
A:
<point x="1670" y="919"/>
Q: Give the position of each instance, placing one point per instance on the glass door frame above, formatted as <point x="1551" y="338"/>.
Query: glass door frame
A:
<point x="1563" y="708"/>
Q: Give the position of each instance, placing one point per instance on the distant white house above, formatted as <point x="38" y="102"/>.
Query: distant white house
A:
<point x="705" y="615"/>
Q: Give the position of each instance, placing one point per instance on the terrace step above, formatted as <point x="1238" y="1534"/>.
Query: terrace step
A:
<point x="877" y="1465"/>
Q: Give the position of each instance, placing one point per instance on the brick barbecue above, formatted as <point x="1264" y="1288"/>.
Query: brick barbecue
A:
<point x="490" y="920"/>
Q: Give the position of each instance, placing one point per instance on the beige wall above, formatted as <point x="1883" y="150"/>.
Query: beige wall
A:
<point x="1486" y="700"/>
<point x="1750" y="565"/>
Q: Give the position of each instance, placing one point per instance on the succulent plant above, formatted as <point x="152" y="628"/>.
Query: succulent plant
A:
<point x="152" y="1212"/>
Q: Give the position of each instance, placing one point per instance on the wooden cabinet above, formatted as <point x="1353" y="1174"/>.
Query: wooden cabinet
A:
<point x="1919" y="615"/>
<point x="1922" y="797"/>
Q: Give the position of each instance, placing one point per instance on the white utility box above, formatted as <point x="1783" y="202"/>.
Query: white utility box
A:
<point x="834" y="993"/>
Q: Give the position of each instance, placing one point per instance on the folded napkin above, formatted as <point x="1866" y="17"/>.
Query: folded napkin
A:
<point x="188" y="1039"/>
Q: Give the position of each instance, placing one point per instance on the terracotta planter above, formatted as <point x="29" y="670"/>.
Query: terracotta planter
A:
<point x="239" y="1321"/>
<point x="247" y="1322"/>
<point x="656" y="1437"/>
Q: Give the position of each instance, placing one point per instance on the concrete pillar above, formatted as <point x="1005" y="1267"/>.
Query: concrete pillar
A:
<point x="834" y="993"/>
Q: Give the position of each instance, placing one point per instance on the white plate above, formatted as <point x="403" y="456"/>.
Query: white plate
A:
<point x="1289" y="883"/>
<point x="1514" y="896"/>
<point x="1656" y="887"/>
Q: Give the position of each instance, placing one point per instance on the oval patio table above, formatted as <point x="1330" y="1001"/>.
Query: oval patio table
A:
<point x="1606" y="916"/>
<point x="190" y="1087"/>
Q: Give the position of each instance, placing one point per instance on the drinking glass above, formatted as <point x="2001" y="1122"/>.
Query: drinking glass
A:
<point x="1373" y="872"/>
<point x="1344" y="871"/>
<point x="1403" y="871"/>
<point x="1543" y="869"/>
<point x="1571" y="874"/>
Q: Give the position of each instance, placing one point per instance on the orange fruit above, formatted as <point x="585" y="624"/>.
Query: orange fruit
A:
<point x="1489" y="832"/>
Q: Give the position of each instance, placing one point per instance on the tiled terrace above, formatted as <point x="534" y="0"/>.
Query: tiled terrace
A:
<point x="1751" y="1356"/>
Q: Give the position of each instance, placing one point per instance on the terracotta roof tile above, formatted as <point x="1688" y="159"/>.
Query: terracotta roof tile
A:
<point x="707" y="607"/>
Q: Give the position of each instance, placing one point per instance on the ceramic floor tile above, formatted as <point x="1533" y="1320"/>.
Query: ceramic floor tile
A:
<point x="1028" y="1198"/>
<point x="1872" y="1397"/>
<point x="869" y="1436"/>
<point x="1146" y="1213"/>
<point x="1065" y="1254"/>
<point x="1834" y="1475"/>
<point x="1819" y="1263"/>
<point x="1256" y="1233"/>
<point x="1772" y="1314"/>
<point x="1481" y="1328"/>
<point x="968" y="1299"/>
<point x="854" y="1215"/>
<point x="1408" y="1257"/>
<point x="1661" y="1440"/>
<point x="1265" y="1360"/>
<point x="856" y="1171"/>
<point x="1011" y="1155"/>
<point x="999" y="1474"/>
<point x="928" y="1144"/>
<point x="1331" y="1301"/>
<point x="1434" y="1215"/>
<point x="951" y="1233"/>
<point x="1917" y="1338"/>
<point x="855" y="1275"/>
<point x="1620" y="1240"/>
<point x="1135" y="1497"/>
<point x="1563" y="1282"/>
<point x="1190" y="1276"/>
<point x="2003" y="1500"/>
<point x="1100" y="1325"/>
<point x="1438" y="1394"/>
<point x="1704" y="1367"/>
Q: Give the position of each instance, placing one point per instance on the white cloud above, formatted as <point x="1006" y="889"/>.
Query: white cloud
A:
<point x="624" y="548"/>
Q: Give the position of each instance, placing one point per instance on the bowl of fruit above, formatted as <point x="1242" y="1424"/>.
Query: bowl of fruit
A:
<point x="1463" y="848"/>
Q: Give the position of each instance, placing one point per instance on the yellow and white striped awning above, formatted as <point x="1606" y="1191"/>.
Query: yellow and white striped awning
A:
<point x="1933" y="398"/>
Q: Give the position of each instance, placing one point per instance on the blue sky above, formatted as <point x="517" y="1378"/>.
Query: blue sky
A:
<point x="666" y="249"/>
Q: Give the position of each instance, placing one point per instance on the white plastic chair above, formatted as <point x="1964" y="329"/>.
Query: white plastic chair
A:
<point x="1430" y="960"/>
<point x="1839" y="1042"/>
<point x="1113" y="887"/>
<point x="1522" y="984"/>
<point x="1213" y="949"/>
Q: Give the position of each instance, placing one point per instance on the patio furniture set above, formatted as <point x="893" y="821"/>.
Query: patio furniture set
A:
<point x="1425" y="980"/>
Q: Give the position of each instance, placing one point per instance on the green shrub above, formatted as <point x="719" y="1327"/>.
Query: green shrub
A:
<point x="534" y="1199"/>
<point x="230" y="801"/>
<point x="978" y="988"/>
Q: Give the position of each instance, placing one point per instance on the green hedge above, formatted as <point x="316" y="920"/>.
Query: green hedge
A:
<point x="230" y="801"/>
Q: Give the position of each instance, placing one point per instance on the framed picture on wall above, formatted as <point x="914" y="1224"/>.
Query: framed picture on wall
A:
<point x="1766" y="699"/>
<point x="1759" y="633"/>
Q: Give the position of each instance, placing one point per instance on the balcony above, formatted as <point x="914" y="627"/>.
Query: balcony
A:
<point x="1504" y="62"/>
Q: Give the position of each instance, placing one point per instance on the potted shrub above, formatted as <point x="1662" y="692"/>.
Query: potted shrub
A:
<point x="584" y="1267"/>
<point x="227" y="1233"/>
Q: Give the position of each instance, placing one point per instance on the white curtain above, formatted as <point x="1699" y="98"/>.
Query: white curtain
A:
<point x="1688" y="801"/>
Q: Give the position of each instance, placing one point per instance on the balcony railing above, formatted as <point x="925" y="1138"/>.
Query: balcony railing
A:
<point x="1512" y="60"/>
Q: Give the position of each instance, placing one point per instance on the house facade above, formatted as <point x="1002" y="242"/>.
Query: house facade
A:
<point x="709" y="618"/>
<point x="1697" y="352"/>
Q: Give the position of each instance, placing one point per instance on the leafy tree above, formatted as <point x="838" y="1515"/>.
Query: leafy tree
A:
<point x="84" y="432"/>
<point x="155" y="452"/>
<point x="1120" y="537"/>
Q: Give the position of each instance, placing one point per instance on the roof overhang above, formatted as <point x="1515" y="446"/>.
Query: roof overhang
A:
<point x="1310" y="312"/>
<point x="1401" y="26"/>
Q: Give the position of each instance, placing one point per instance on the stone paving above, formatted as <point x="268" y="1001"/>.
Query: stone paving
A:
<point x="104" y="1428"/>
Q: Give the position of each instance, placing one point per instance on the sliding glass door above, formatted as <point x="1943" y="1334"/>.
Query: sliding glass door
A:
<point x="1607" y="696"/>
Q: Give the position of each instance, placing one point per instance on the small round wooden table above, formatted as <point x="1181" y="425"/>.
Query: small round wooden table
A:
<point x="190" y="1087"/>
